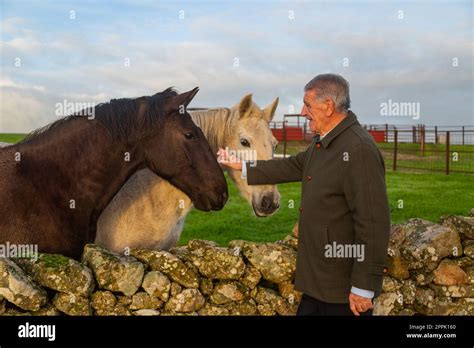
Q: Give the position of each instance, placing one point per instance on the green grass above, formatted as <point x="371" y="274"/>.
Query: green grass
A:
<point x="292" y="147"/>
<point x="427" y="196"/>
<point x="237" y="220"/>
<point x="11" y="138"/>
<point x="429" y="148"/>
<point x="410" y="157"/>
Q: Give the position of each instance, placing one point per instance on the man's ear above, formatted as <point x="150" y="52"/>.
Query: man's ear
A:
<point x="330" y="107"/>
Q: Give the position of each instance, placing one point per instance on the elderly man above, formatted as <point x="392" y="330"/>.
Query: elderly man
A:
<point x="344" y="220"/>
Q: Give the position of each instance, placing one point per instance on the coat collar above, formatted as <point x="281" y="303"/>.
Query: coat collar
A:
<point x="348" y="121"/>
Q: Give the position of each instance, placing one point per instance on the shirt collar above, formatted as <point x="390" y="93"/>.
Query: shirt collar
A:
<point x="321" y="137"/>
<point x="347" y="121"/>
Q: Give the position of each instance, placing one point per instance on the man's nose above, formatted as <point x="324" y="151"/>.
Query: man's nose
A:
<point x="304" y="111"/>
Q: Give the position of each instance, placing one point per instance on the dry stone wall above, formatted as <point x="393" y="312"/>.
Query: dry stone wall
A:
<point x="430" y="272"/>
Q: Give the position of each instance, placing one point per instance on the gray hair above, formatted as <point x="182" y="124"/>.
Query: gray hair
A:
<point x="331" y="86"/>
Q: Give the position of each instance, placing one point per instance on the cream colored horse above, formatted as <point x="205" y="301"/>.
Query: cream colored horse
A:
<point x="148" y="212"/>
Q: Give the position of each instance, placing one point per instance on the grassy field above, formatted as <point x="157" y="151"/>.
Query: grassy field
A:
<point x="10" y="137"/>
<point x="426" y="196"/>
<point x="433" y="158"/>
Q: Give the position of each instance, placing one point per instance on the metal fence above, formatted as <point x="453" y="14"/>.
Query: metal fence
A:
<point x="451" y="153"/>
<point x="425" y="134"/>
<point x="420" y="148"/>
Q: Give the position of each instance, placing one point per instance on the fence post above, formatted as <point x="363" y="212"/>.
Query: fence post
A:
<point x="463" y="135"/>
<point x="284" y="139"/>
<point x="436" y="134"/>
<point x="422" y="140"/>
<point x="395" y="141"/>
<point x="386" y="132"/>
<point x="414" y="135"/>
<point x="447" y="153"/>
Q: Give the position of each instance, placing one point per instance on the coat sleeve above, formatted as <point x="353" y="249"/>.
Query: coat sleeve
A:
<point x="277" y="171"/>
<point x="366" y="195"/>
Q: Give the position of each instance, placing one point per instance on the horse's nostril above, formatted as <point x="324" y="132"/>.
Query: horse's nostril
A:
<point x="224" y="197"/>
<point x="266" y="202"/>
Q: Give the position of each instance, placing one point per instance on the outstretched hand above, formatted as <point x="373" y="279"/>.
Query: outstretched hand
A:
<point x="228" y="160"/>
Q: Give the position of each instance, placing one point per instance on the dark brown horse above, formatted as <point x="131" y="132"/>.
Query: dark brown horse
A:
<point x="55" y="183"/>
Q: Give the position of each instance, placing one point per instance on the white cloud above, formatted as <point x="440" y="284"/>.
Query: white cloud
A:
<point x="277" y="57"/>
<point x="11" y="25"/>
<point x="23" y="111"/>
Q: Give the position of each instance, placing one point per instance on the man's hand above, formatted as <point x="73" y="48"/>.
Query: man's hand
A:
<point x="228" y="160"/>
<point x="359" y="304"/>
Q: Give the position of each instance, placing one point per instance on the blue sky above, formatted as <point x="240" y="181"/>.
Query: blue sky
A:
<point x="405" y="59"/>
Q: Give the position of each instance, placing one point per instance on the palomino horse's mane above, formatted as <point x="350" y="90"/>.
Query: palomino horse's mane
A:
<point x="216" y="124"/>
<point x="118" y="116"/>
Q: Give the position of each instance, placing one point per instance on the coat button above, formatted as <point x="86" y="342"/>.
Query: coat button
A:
<point x="301" y="209"/>
<point x="308" y="178"/>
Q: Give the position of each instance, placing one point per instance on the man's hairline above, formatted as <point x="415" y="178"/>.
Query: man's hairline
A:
<point x="344" y="112"/>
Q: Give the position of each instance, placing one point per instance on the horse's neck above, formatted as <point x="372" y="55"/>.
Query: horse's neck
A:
<point x="83" y="165"/>
<point x="216" y="124"/>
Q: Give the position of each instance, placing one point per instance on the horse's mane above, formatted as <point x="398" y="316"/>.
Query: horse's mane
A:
<point x="119" y="116"/>
<point x="216" y="124"/>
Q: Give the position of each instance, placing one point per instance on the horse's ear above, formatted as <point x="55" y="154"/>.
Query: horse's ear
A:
<point x="181" y="101"/>
<point x="269" y="111"/>
<point x="245" y="105"/>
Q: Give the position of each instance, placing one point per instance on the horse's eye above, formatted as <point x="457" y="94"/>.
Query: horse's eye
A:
<point x="244" y="142"/>
<point x="190" y="136"/>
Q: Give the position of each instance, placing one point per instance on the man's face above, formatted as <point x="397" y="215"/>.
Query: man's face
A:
<point x="314" y="111"/>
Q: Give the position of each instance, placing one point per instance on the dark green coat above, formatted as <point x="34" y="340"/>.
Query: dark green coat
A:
<point x="343" y="200"/>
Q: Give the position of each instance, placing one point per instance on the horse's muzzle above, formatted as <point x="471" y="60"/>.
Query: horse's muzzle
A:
<point x="205" y="203"/>
<point x="267" y="205"/>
